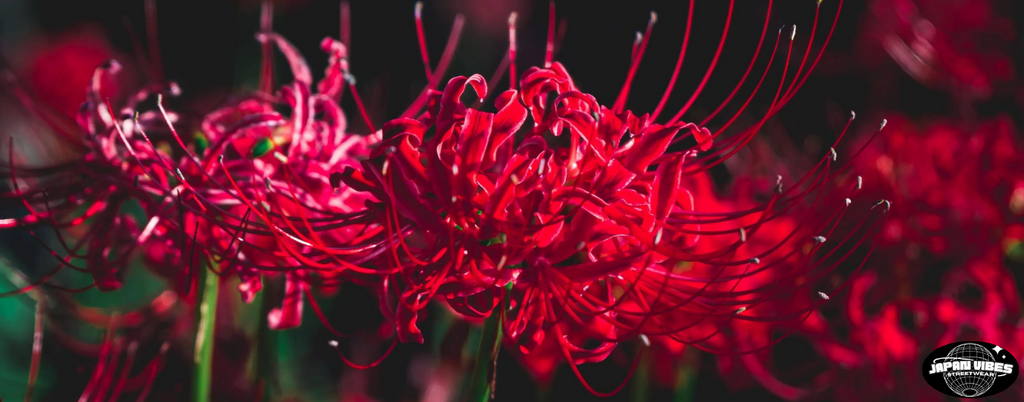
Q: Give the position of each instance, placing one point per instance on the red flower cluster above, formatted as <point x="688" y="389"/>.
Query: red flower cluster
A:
<point x="572" y="221"/>
<point x="591" y="224"/>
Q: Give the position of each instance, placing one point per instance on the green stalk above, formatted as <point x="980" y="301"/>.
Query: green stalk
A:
<point x="641" y="379"/>
<point x="686" y="382"/>
<point x="481" y="384"/>
<point x="265" y="353"/>
<point x="207" y="315"/>
<point x="486" y="360"/>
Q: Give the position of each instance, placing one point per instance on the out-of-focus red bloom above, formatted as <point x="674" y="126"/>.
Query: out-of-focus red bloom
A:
<point x="74" y="59"/>
<point x="958" y="184"/>
<point x="938" y="273"/>
<point x="958" y="45"/>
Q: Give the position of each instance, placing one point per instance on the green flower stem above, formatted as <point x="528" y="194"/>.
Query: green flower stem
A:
<point x="265" y="352"/>
<point x="642" y="379"/>
<point x="686" y="382"/>
<point x="486" y="359"/>
<point x="481" y="384"/>
<point x="206" y="313"/>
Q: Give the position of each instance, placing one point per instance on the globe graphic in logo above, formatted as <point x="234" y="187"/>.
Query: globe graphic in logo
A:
<point x="976" y="383"/>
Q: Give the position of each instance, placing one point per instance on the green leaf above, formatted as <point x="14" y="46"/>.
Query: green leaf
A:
<point x="686" y="377"/>
<point x="641" y="379"/>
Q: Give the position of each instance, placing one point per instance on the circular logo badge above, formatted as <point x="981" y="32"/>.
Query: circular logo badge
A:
<point x="970" y="369"/>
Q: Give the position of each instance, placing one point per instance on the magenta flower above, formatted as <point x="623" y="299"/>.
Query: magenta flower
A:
<point x="90" y="192"/>
<point x="591" y="221"/>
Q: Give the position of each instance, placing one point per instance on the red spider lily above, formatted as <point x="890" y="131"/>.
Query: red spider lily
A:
<point x="591" y="217"/>
<point x="252" y="190"/>
<point x="276" y="199"/>
<point x="90" y="192"/>
<point x="196" y="194"/>
<point x="265" y="196"/>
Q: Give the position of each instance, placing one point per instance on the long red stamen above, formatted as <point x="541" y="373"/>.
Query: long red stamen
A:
<point x="512" y="51"/>
<point x="418" y="12"/>
<point x="442" y="66"/>
<point x="711" y="68"/>
<point x="679" y="62"/>
<point x="37" y="350"/>
<point x="817" y="58"/>
<point x="750" y="67"/>
<point x="266" y="49"/>
<point x="562" y="342"/>
<point x="334" y="344"/>
<point x="359" y="104"/>
<point x="154" y="368"/>
<point x="549" y="46"/>
<point x="122" y="378"/>
<point x="101" y="364"/>
<point x="620" y="101"/>
<point x="346" y="24"/>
